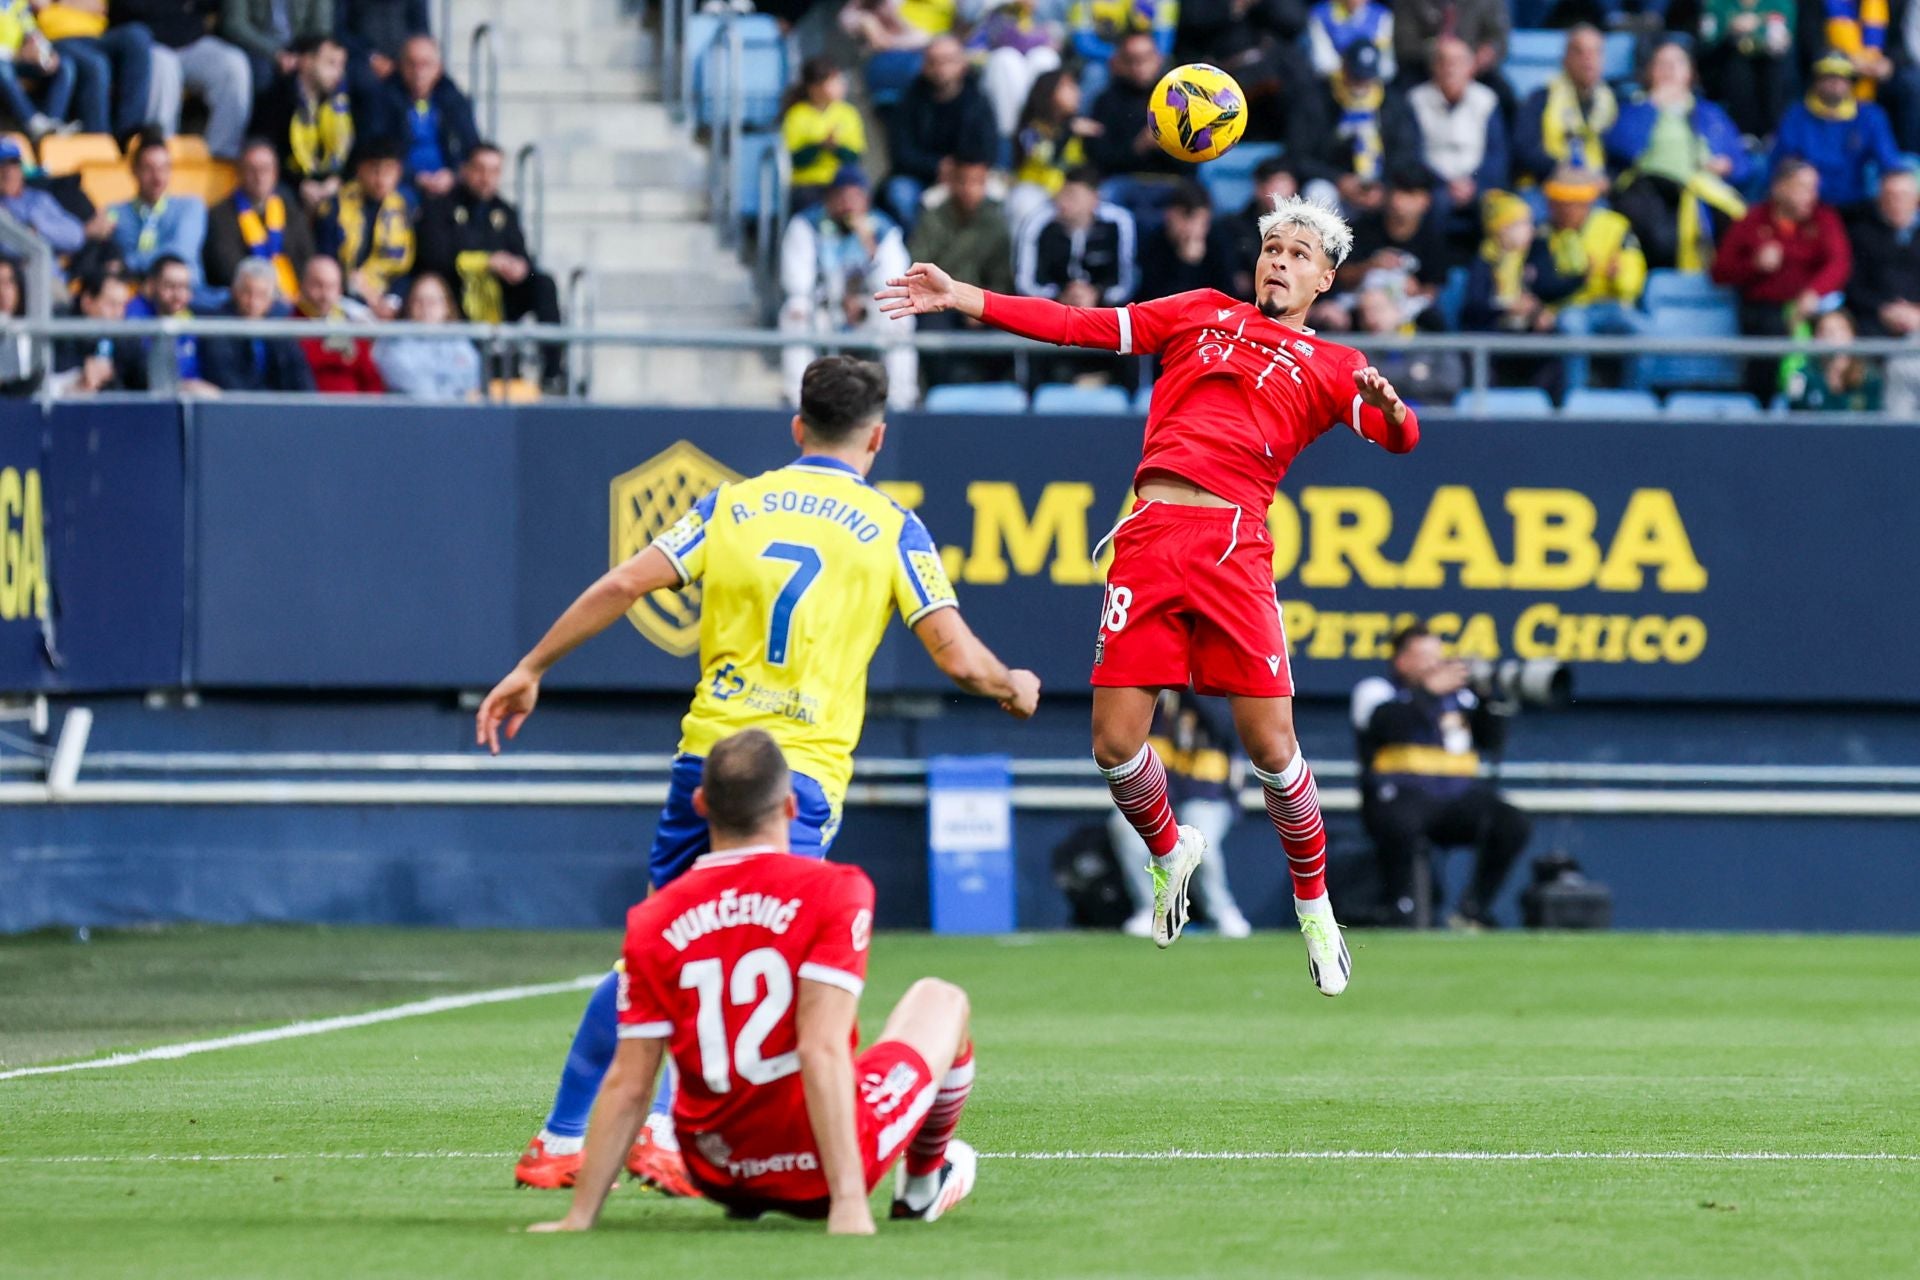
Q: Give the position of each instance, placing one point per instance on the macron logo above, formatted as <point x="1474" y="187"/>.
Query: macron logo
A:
<point x="1273" y="663"/>
<point x="1222" y="315"/>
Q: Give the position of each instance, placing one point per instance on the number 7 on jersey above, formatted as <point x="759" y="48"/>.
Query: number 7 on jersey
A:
<point x="806" y="567"/>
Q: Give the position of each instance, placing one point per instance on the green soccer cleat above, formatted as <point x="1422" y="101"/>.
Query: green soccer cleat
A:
<point x="1328" y="963"/>
<point x="1170" y="873"/>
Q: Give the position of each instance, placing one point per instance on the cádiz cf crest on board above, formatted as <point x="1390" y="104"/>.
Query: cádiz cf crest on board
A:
<point x="646" y="502"/>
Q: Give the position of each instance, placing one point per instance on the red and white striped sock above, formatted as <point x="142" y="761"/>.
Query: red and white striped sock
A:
<point x="928" y="1149"/>
<point x="1139" y="789"/>
<point x="1293" y="806"/>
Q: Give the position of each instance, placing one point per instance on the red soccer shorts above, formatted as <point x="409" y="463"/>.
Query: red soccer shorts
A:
<point x="770" y="1164"/>
<point x="1190" y="602"/>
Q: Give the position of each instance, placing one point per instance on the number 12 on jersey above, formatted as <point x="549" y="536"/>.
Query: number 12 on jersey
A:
<point x="806" y="568"/>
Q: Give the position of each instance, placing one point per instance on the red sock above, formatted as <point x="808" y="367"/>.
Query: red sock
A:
<point x="929" y="1146"/>
<point x="1293" y="806"/>
<point x="1139" y="788"/>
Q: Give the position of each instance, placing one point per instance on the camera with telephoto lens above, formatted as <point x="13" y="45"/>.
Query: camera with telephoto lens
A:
<point x="1512" y="683"/>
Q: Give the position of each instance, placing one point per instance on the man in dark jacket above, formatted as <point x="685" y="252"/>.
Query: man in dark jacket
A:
<point x="1353" y="130"/>
<point x="1080" y="253"/>
<point x="374" y="32"/>
<point x="942" y="113"/>
<point x="1188" y="251"/>
<point x="1125" y="145"/>
<point x="472" y="237"/>
<point x="430" y="115"/>
<point x="261" y="219"/>
<point x="309" y="117"/>
<point x="83" y="366"/>
<point x="1885" y="294"/>
<point x="255" y="364"/>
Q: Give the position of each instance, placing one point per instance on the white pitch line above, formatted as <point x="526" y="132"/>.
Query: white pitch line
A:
<point x="315" y="1027"/>
<point x="1462" y="1157"/>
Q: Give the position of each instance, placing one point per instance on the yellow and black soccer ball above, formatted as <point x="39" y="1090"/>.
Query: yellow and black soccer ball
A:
<point x="1197" y="112"/>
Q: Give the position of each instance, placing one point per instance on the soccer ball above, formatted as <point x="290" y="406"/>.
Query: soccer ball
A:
<point x="1197" y="112"/>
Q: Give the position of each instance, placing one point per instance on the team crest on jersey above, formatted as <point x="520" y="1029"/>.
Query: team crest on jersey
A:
<point x="1304" y="348"/>
<point x="646" y="502"/>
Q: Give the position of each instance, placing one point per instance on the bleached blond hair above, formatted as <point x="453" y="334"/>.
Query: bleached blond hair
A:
<point x="1336" y="237"/>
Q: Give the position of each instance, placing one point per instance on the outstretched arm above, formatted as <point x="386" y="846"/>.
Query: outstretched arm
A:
<point x="1380" y="415"/>
<point x="926" y="289"/>
<point x="970" y="664"/>
<point x="597" y="608"/>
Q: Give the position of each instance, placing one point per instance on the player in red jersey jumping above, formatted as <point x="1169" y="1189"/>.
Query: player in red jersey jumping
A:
<point x="1243" y="388"/>
<point x="748" y="969"/>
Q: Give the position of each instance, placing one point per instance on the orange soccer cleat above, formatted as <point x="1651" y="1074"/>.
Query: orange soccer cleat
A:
<point x="550" y="1173"/>
<point x="658" y="1167"/>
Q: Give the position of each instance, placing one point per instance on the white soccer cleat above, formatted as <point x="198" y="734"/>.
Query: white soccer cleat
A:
<point x="954" y="1183"/>
<point x="1139" y="924"/>
<point x="1170" y="875"/>
<point x="1327" y="960"/>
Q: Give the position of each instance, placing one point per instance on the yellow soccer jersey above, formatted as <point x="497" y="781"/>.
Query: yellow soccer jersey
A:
<point x="803" y="567"/>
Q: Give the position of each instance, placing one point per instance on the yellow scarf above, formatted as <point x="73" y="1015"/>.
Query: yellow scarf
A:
<point x="1572" y="136"/>
<point x="321" y="136"/>
<point x="1360" y="123"/>
<point x="1703" y="191"/>
<point x="381" y="239"/>
<point x="263" y="231"/>
<point x="481" y="297"/>
<point x="1847" y="110"/>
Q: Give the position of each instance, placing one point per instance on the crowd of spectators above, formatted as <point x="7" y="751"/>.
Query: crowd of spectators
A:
<point x="357" y="187"/>
<point x="1762" y="146"/>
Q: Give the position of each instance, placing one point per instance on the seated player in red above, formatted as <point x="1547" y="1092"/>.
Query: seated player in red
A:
<point x="1243" y="388"/>
<point x="748" y="969"/>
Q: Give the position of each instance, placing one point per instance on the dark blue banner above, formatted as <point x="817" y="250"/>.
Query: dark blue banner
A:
<point x="358" y="547"/>
<point x="1717" y="560"/>
<point x="92" y="546"/>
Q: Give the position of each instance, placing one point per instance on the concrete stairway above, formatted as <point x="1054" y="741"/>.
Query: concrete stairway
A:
<point x="625" y="193"/>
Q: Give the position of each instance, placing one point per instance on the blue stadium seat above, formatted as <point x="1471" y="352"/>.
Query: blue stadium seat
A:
<point x="1616" y="61"/>
<point x="1534" y="48"/>
<point x="1606" y="403"/>
<point x="1663" y="371"/>
<point x="1229" y="180"/>
<point x="1143" y="399"/>
<point x="977" y="397"/>
<point x="888" y="74"/>
<point x="1669" y="288"/>
<point x="1508" y="402"/>
<point x="1712" y="404"/>
<point x="1064" y="397"/>
<point x="1525" y="77"/>
<point x="764" y="75"/>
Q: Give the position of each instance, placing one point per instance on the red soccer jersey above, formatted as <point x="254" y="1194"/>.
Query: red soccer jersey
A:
<point x="1239" y="395"/>
<point x="714" y="963"/>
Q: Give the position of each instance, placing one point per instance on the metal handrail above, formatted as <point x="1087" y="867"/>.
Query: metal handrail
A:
<point x="23" y="242"/>
<point x="672" y="36"/>
<point x="487" y="94"/>
<point x="775" y="179"/>
<point x="982" y="342"/>
<point x="532" y="202"/>
<point x="444" y="32"/>
<point x="583" y="301"/>
<point x="736" y="130"/>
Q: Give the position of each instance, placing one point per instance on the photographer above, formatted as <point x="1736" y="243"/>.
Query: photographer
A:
<point x="1420" y="732"/>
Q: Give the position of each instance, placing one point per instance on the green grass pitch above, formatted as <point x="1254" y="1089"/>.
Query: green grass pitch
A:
<point x="1655" y="1048"/>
